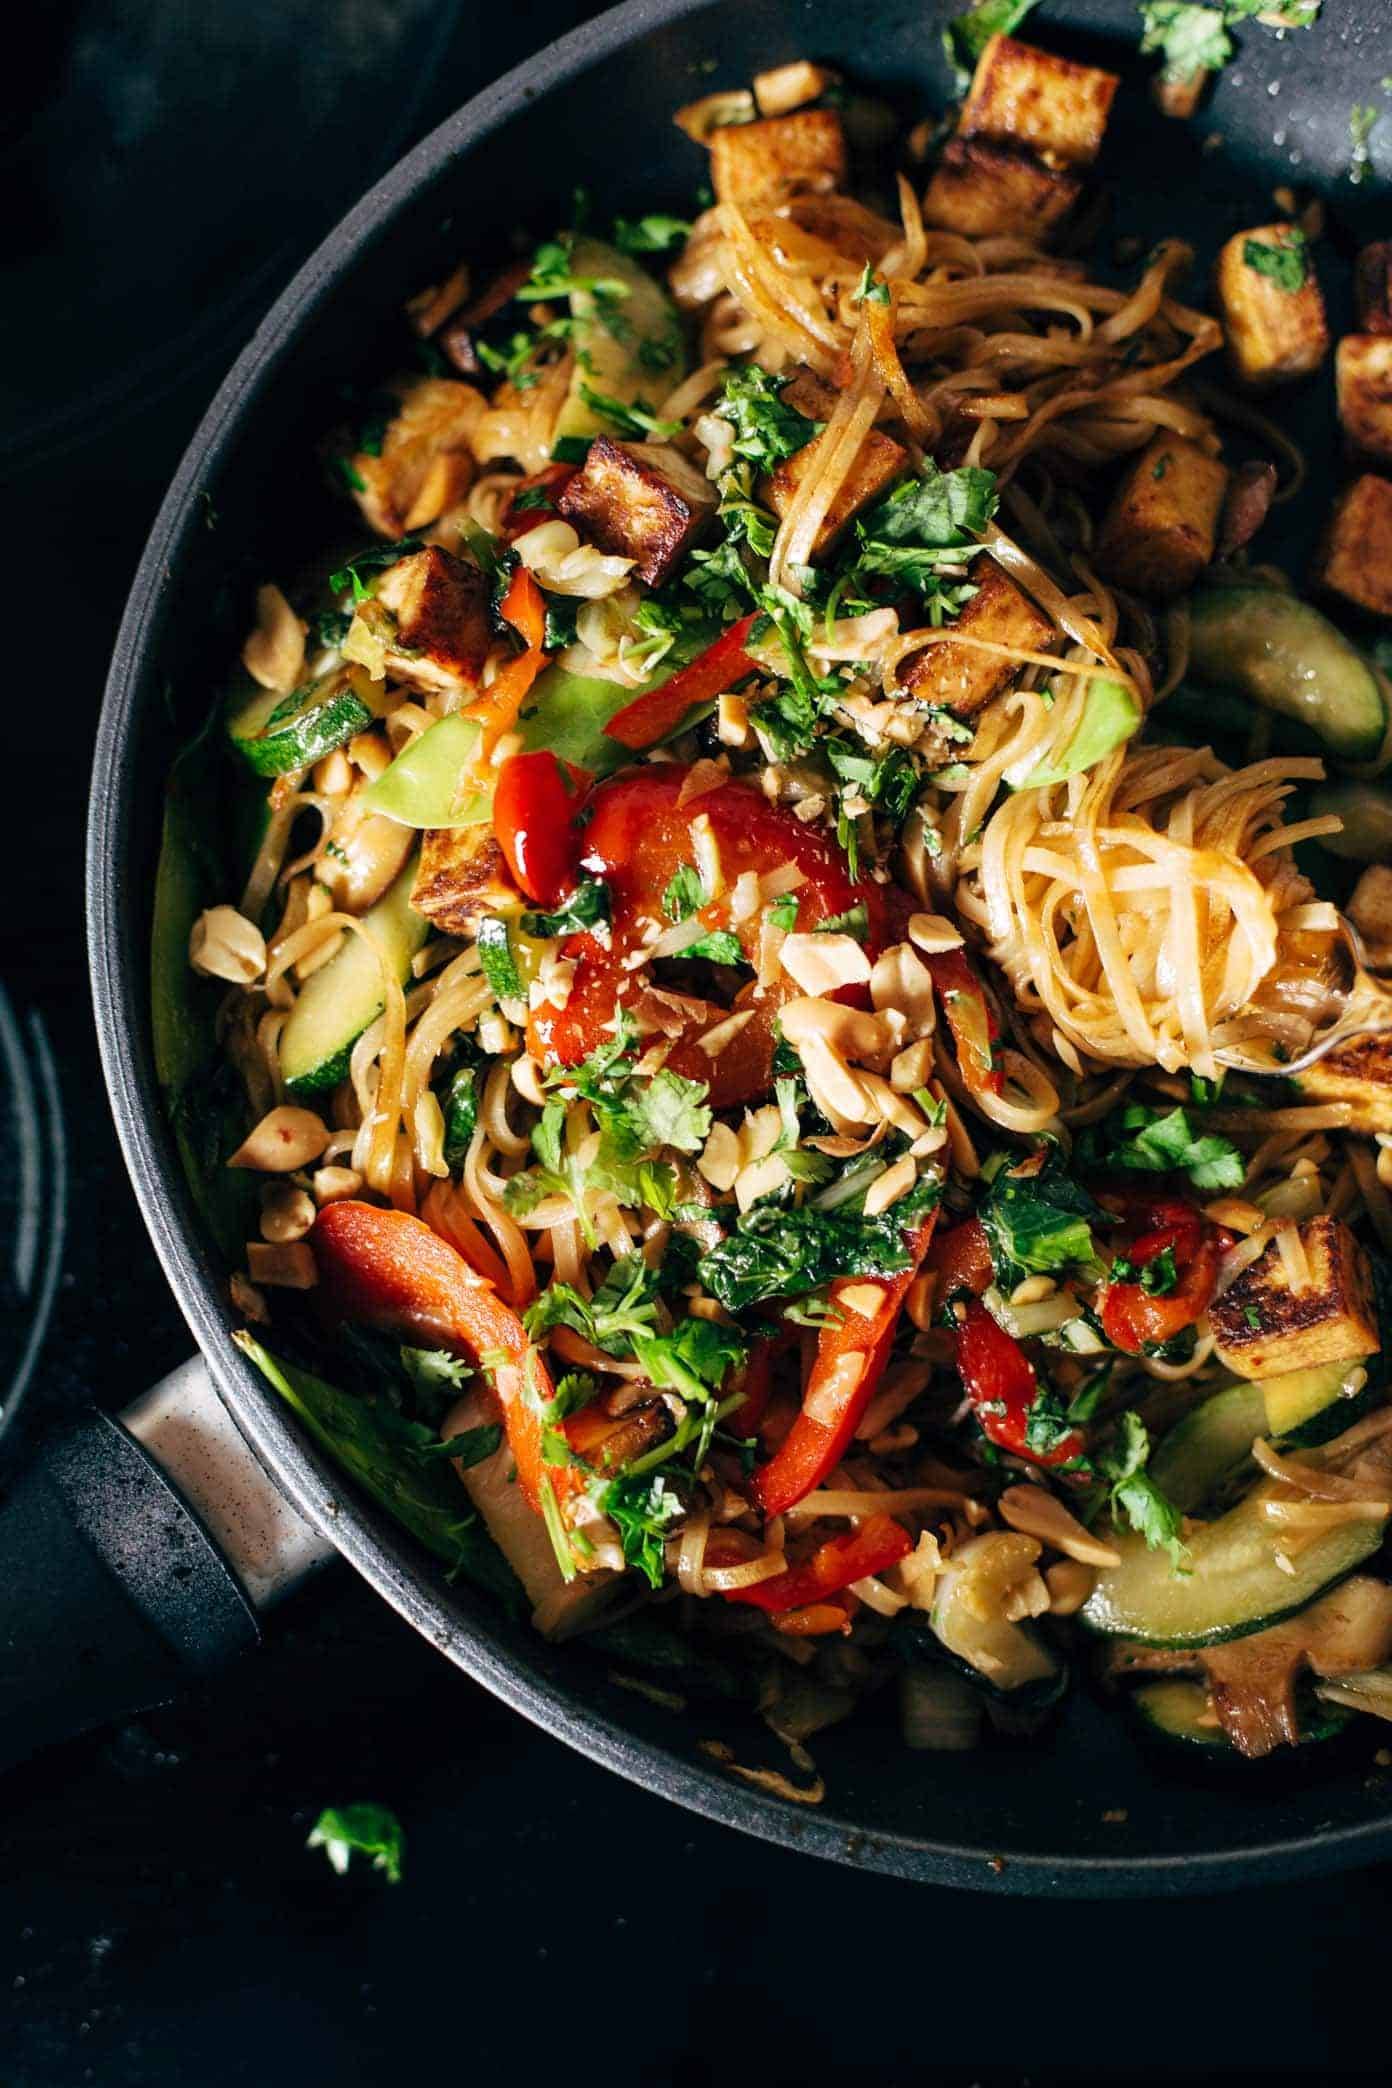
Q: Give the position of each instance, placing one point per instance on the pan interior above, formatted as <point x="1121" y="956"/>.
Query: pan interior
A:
<point x="1081" y="1808"/>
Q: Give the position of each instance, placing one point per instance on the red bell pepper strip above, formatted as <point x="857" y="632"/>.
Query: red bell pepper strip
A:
<point x="961" y="1261"/>
<point x="535" y="801"/>
<point x="974" y="1028"/>
<point x="651" y="718"/>
<point x="638" y="836"/>
<point x="551" y="481"/>
<point x="386" y="1269"/>
<point x="1134" y="1318"/>
<point x="878" y="1544"/>
<point x="496" y="710"/>
<point x="837" y="1395"/>
<point x="998" y="1378"/>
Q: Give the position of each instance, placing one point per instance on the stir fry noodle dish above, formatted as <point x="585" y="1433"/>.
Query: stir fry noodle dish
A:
<point x="761" y="1078"/>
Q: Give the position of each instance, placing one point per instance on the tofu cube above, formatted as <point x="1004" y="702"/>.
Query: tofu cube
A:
<point x="1271" y="306"/>
<point x="1354" y="559"/>
<point x="1264" y="1328"/>
<point x="1359" y="1073"/>
<point x="1372" y="284"/>
<point x="877" y="464"/>
<point x="1162" y="526"/>
<point x="1050" y="106"/>
<point x="766" y="162"/>
<point x="443" y="631"/>
<point x="981" y="188"/>
<point x="1363" y="381"/>
<point x="643" y="502"/>
<point x="425" y="463"/>
<point x="962" y="679"/>
<point x="461" y="873"/>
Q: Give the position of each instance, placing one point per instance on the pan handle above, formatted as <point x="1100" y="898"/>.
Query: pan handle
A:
<point x="136" y="1554"/>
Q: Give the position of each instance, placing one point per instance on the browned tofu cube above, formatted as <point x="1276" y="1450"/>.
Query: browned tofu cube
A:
<point x="461" y="874"/>
<point x="1270" y="303"/>
<point x="1162" y="526"/>
<point x="878" y="463"/>
<point x="962" y="679"/>
<point x="425" y="463"/>
<point x="766" y="161"/>
<point x="1363" y="380"/>
<point x="1372" y="285"/>
<point x="1354" y="559"/>
<point x="1264" y="1328"/>
<point x="442" y="635"/>
<point x="1027" y="97"/>
<point x="1359" y="1073"/>
<point x="982" y="188"/>
<point x="641" y="502"/>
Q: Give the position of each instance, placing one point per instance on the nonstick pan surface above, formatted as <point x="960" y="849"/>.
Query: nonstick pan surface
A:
<point x="1080" y="1810"/>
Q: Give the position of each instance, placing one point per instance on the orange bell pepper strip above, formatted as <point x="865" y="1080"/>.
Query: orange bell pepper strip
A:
<point x="496" y="710"/>
<point x="851" y="1356"/>
<point x="637" y="837"/>
<point x="974" y="1028"/>
<point x="878" y="1544"/>
<point x="388" y="1270"/>
<point x="650" y="718"/>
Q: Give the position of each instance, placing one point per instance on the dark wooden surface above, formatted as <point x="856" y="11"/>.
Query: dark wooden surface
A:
<point x="160" y="1918"/>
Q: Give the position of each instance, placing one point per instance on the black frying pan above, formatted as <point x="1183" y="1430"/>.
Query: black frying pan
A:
<point x="596" y="110"/>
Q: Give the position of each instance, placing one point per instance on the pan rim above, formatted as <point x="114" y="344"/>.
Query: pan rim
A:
<point x="117" y="957"/>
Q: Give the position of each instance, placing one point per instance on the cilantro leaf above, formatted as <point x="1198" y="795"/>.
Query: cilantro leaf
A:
<point x="685" y="893"/>
<point x="1286" y="263"/>
<point x="1158" y="1142"/>
<point x="459" y="1107"/>
<point x="643" y="1509"/>
<point x="632" y="417"/>
<point x="694" y="1359"/>
<point x="375" y="559"/>
<point x="970" y="33"/>
<point x="927" y="530"/>
<point x="624" y="1306"/>
<point x="766" y="429"/>
<point x="585" y="907"/>
<point x="1189" y="38"/>
<point x="653" y="234"/>
<point x="667" y="1110"/>
<point x="1133" y="1495"/>
<point x="343" y="1831"/>
<point x="871" y="289"/>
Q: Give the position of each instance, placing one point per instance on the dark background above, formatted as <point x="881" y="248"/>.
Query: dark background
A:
<point x="165" y="167"/>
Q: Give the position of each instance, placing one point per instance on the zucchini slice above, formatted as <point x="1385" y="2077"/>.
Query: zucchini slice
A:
<point x="627" y="339"/>
<point x="1282" y="654"/>
<point x="1180" y="1712"/>
<point x="337" y="1003"/>
<point x="1233" y="1586"/>
<point x="1366" y="810"/>
<point x="1209" y="1446"/>
<point x="277" y="734"/>
<point x="1008" y="1656"/>
<point x="1305" y="1407"/>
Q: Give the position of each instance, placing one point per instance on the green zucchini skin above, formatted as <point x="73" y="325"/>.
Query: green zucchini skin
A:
<point x="627" y="348"/>
<point x="1233" y="1587"/>
<point x="1174" y="1710"/>
<point x="1209" y="1445"/>
<point x="276" y="735"/>
<point x="337" y="1003"/>
<point x="1366" y="810"/>
<point x="1280" y="653"/>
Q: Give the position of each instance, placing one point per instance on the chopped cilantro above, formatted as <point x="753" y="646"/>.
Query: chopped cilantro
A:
<point x="1286" y="263"/>
<point x="871" y="289"/>
<point x="653" y="234"/>
<point x="855" y="921"/>
<point x="345" y="1831"/>
<point x="583" y="908"/>
<point x="968" y="35"/>
<point x="632" y="417"/>
<point x="1164" y="1142"/>
<point x="624" y="1306"/>
<point x="1133" y="1495"/>
<point x="374" y="560"/>
<point x="1189" y="39"/>
<point x="685" y="894"/>
<point x="643" y="1510"/>
<point x="766" y="429"/>
<point x="1038" y="1223"/>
